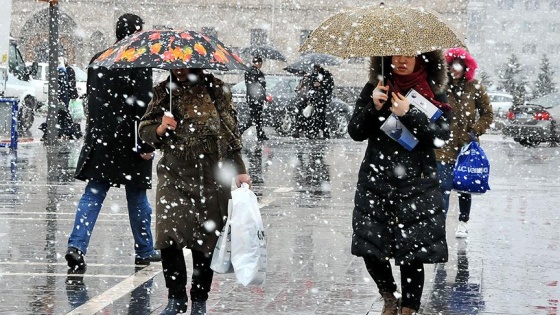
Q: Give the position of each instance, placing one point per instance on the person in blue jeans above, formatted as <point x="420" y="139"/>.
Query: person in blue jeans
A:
<point x="472" y="115"/>
<point x="113" y="155"/>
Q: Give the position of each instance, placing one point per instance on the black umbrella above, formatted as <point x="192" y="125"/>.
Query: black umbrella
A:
<point x="263" y="51"/>
<point x="306" y="62"/>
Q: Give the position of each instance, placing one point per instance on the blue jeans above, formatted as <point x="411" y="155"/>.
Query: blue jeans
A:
<point x="445" y="171"/>
<point x="139" y="215"/>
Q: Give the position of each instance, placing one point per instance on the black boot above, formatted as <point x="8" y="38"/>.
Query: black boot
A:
<point x="153" y="257"/>
<point x="175" y="306"/>
<point x="198" y="308"/>
<point x="75" y="259"/>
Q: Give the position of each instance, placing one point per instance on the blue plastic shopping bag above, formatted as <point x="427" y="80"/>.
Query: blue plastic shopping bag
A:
<point x="472" y="170"/>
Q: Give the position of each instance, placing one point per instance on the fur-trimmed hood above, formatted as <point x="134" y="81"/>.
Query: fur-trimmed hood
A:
<point x="463" y="55"/>
<point x="436" y="68"/>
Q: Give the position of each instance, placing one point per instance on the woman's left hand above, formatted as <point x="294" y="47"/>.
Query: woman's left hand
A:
<point x="242" y="178"/>
<point x="400" y="105"/>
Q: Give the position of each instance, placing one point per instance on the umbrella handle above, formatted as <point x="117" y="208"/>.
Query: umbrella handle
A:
<point x="135" y="136"/>
<point x="382" y="69"/>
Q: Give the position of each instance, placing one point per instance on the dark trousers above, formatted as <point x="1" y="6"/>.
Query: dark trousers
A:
<point x="412" y="280"/>
<point x="311" y="126"/>
<point x="66" y="127"/>
<point x="445" y="171"/>
<point x="175" y="273"/>
<point x="320" y="121"/>
<point x="256" y="119"/>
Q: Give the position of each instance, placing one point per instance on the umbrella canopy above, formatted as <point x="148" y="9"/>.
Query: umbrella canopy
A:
<point x="169" y="49"/>
<point x="306" y="62"/>
<point x="381" y="30"/>
<point x="264" y="51"/>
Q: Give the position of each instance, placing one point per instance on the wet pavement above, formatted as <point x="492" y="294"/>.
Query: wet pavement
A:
<point x="508" y="264"/>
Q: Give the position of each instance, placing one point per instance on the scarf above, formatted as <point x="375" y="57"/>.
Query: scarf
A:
<point x="417" y="80"/>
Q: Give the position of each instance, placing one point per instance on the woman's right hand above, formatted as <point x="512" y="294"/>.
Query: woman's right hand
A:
<point x="379" y="95"/>
<point x="167" y="123"/>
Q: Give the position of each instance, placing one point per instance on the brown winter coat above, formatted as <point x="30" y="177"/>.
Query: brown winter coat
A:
<point x="472" y="111"/>
<point x="199" y="160"/>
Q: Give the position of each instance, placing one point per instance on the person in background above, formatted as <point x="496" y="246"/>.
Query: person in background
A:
<point x="201" y="147"/>
<point x="398" y="207"/>
<point x="321" y="89"/>
<point x="112" y="155"/>
<point x="472" y="115"/>
<point x="64" y="120"/>
<point x="256" y="97"/>
<point x="301" y="123"/>
<point x="73" y="95"/>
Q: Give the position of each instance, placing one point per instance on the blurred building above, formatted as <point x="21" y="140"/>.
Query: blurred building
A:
<point x="527" y="28"/>
<point x="87" y="26"/>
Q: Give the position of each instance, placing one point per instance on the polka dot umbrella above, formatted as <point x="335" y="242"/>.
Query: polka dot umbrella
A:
<point x="382" y="30"/>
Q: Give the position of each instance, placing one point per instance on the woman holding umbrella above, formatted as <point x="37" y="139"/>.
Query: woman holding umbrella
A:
<point x="398" y="209"/>
<point x="201" y="153"/>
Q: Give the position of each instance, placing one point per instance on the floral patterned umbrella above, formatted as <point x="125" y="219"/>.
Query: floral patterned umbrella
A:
<point x="170" y="49"/>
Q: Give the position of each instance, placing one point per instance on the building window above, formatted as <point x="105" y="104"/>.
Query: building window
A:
<point x="475" y="37"/>
<point x="530" y="26"/>
<point x="303" y="34"/>
<point x="475" y="18"/>
<point x="506" y="25"/>
<point x="505" y="4"/>
<point x="554" y="5"/>
<point x="531" y="4"/>
<point x="259" y="36"/>
<point x="210" y="31"/>
<point x="529" y="49"/>
<point x="552" y="48"/>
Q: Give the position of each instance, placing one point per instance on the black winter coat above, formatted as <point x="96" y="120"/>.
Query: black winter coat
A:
<point x="63" y="90"/>
<point x="117" y="99"/>
<point x="322" y="85"/>
<point x="72" y="90"/>
<point x="256" y="86"/>
<point x="398" y="209"/>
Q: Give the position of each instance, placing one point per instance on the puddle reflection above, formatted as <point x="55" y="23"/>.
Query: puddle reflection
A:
<point x="460" y="295"/>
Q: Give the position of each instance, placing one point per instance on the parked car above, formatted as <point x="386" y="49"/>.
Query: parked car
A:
<point x="535" y="121"/>
<point x="501" y="104"/>
<point x="41" y="82"/>
<point x="280" y="108"/>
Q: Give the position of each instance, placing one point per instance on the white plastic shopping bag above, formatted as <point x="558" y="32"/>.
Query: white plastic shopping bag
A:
<point x="248" y="242"/>
<point x="221" y="258"/>
<point x="308" y="111"/>
<point x="76" y="109"/>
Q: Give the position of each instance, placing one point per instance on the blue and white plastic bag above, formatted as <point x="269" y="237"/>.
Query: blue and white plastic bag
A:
<point x="472" y="170"/>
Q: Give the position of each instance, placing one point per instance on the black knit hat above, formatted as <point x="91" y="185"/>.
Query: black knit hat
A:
<point x="257" y="59"/>
<point x="128" y="24"/>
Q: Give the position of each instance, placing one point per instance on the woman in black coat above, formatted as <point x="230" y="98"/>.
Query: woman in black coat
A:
<point x="398" y="209"/>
